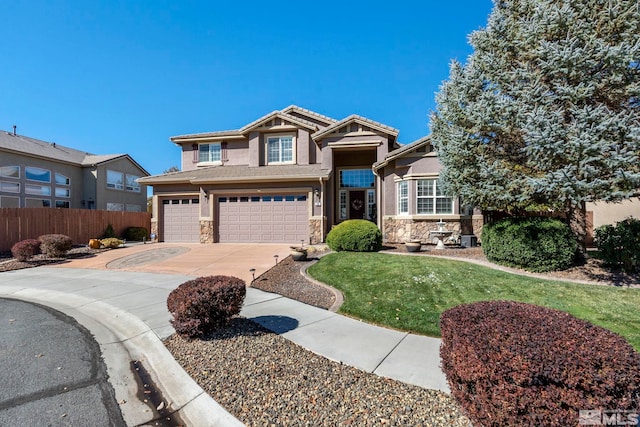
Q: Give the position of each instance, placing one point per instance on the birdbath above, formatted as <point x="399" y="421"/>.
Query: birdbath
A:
<point x="440" y="233"/>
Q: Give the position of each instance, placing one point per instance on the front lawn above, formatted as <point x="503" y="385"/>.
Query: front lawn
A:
<point x="410" y="293"/>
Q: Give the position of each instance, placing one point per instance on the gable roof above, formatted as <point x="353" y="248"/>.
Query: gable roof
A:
<point x="311" y="114"/>
<point x="278" y="114"/>
<point x="358" y="119"/>
<point x="21" y="144"/>
<point x="399" y="152"/>
<point x="240" y="173"/>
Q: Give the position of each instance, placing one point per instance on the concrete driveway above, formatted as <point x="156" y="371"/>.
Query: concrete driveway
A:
<point x="192" y="259"/>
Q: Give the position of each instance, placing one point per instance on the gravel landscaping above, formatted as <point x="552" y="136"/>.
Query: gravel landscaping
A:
<point x="264" y="379"/>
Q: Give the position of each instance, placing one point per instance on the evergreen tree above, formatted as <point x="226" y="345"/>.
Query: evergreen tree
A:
<point x="545" y="113"/>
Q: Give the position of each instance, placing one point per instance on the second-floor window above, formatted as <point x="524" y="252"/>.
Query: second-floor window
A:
<point x="115" y="180"/>
<point x="209" y="153"/>
<point x="37" y="174"/>
<point x="132" y="185"/>
<point x="280" y="149"/>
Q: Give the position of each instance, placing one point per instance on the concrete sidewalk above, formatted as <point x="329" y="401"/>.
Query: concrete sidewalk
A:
<point x="126" y="312"/>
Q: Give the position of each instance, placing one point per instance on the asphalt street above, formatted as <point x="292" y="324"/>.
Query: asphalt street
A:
<point x="51" y="371"/>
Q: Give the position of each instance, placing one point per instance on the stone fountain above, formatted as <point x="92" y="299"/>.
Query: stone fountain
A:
<point x="440" y="233"/>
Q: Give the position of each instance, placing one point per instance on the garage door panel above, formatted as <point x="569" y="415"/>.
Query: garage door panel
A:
<point x="271" y="218"/>
<point x="181" y="220"/>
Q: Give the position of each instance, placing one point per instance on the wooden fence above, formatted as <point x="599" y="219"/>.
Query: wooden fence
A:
<point x="80" y="224"/>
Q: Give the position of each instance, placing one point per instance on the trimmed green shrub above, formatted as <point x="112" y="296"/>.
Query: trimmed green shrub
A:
<point x="108" y="233"/>
<point x="111" y="243"/>
<point x="619" y="245"/>
<point x="136" y="234"/>
<point x="205" y="304"/>
<point x="536" y="244"/>
<point x="55" y="245"/>
<point x="510" y="363"/>
<point x="355" y="235"/>
<point x="25" y="249"/>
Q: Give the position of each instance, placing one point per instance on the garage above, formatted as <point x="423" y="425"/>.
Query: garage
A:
<point x="275" y="218"/>
<point x="181" y="220"/>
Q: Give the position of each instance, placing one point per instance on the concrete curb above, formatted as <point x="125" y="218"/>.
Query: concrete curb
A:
<point x="338" y="295"/>
<point x="124" y="338"/>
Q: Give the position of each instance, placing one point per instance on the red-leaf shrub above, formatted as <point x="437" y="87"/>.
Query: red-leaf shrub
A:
<point x="25" y="249"/>
<point x="206" y="303"/>
<point x="55" y="245"/>
<point x="510" y="363"/>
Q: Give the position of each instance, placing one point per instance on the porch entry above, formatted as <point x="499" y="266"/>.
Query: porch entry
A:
<point x="356" y="195"/>
<point x="357" y="207"/>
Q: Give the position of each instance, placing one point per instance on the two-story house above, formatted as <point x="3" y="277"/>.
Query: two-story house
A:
<point x="292" y="174"/>
<point x="36" y="174"/>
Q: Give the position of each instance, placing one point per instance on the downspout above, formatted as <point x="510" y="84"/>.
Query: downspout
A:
<point x="321" y="210"/>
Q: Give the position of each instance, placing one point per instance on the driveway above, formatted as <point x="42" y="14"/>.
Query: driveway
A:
<point x="191" y="259"/>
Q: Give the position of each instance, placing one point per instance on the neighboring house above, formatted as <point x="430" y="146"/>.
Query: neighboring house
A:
<point x="36" y="173"/>
<point x="292" y="174"/>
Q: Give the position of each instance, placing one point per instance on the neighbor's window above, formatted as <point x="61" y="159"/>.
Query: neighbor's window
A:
<point x="10" y="187"/>
<point x="115" y="207"/>
<point x="132" y="185"/>
<point x="63" y="192"/>
<point x="10" y="171"/>
<point x="115" y="180"/>
<point x="403" y="197"/>
<point x="37" y="174"/>
<point x="38" y="190"/>
<point x="133" y="208"/>
<point x="209" y="152"/>
<point x="37" y="203"/>
<point x="62" y="204"/>
<point x="280" y="149"/>
<point x="62" y="180"/>
<point x="431" y="199"/>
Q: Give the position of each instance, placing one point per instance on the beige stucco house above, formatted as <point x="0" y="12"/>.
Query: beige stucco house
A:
<point x="291" y="175"/>
<point x="35" y="173"/>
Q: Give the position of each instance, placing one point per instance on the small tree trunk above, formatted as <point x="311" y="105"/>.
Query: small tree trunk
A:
<point x="577" y="217"/>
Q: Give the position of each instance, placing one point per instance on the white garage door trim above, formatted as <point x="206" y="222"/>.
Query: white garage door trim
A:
<point x="265" y="218"/>
<point x="181" y="219"/>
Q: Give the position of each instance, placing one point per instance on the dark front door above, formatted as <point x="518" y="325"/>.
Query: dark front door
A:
<point x="357" y="207"/>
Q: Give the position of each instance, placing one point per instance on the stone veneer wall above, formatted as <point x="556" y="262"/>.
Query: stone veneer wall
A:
<point x="315" y="231"/>
<point x="206" y="231"/>
<point x="398" y="230"/>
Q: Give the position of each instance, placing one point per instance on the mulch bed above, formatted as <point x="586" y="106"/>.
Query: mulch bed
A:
<point x="8" y="263"/>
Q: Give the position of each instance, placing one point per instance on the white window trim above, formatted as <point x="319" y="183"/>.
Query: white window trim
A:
<point x="136" y="188"/>
<point x="435" y="198"/>
<point x="293" y="149"/>
<point x="210" y="162"/>
<point x="343" y="202"/>
<point x="55" y="178"/>
<point x="9" y="176"/>
<point x="65" y="189"/>
<point x="37" y="180"/>
<point x="402" y="198"/>
<point x="12" y="183"/>
<point x="115" y="186"/>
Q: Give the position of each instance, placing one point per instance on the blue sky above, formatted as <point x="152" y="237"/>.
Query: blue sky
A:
<point x="117" y="76"/>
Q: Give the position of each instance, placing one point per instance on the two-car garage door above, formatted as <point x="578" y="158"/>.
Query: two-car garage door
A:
<point x="274" y="218"/>
<point x="277" y="218"/>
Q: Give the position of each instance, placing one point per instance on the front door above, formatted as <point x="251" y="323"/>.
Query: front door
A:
<point x="357" y="204"/>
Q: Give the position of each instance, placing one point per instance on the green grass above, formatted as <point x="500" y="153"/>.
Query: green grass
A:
<point x="410" y="293"/>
